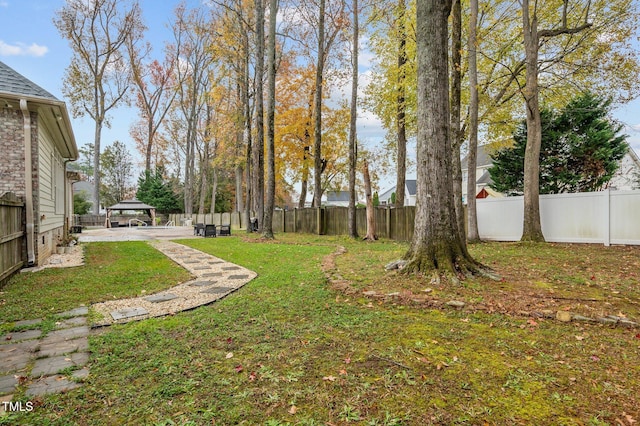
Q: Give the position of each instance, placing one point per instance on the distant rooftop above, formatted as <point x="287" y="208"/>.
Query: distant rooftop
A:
<point x="482" y="159"/>
<point x="13" y="82"/>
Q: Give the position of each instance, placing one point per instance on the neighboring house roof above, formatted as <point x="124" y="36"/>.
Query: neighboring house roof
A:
<point x="485" y="179"/>
<point x="83" y="185"/>
<point x="482" y="159"/>
<point x="333" y="196"/>
<point x="15" y="88"/>
<point x="411" y="185"/>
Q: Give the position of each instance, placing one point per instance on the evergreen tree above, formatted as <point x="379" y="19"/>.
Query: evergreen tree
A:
<point x="80" y="203"/>
<point x="154" y="190"/>
<point x="580" y="152"/>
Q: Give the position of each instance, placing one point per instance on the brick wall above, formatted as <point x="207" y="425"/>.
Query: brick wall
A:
<point x="12" y="149"/>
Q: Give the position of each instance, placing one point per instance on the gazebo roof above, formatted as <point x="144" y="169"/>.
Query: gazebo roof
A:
<point x="131" y="205"/>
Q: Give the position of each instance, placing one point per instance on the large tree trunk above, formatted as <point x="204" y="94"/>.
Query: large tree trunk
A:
<point x="96" y="167"/>
<point x="371" y="218"/>
<point x="303" y="187"/>
<point x="401" y="128"/>
<point x="239" y="205"/>
<point x="258" y="146"/>
<point x="317" y="128"/>
<point x="532" y="228"/>
<point x="353" y="141"/>
<point x="436" y="246"/>
<point x="456" y="131"/>
<point x="267" y="226"/>
<point x="214" y="189"/>
<point x="472" y="217"/>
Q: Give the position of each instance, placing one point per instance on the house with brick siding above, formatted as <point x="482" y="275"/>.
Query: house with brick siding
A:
<point x="36" y="143"/>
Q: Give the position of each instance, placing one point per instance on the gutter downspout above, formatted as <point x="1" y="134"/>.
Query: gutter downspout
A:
<point x="28" y="183"/>
<point x="68" y="203"/>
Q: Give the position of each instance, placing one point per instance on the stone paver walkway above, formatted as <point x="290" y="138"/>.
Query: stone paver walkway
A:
<point x="35" y="359"/>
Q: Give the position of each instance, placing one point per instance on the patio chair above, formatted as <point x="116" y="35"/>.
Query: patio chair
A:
<point x="198" y="229"/>
<point x="209" y="230"/>
<point x="225" y="230"/>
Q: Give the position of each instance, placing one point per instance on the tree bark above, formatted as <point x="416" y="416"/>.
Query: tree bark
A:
<point x="401" y="128"/>
<point x="317" y="131"/>
<point x="353" y="140"/>
<point x="267" y="227"/>
<point x="214" y="189"/>
<point x="472" y="217"/>
<point x="258" y="146"/>
<point x="532" y="228"/>
<point x="436" y="247"/>
<point x="96" y="167"/>
<point x="456" y="131"/>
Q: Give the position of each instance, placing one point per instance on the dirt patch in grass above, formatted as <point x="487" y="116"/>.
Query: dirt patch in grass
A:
<point x="537" y="280"/>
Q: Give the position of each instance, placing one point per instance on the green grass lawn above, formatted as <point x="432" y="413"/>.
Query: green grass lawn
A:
<point x="292" y="347"/>
<point x="111" y="271"/>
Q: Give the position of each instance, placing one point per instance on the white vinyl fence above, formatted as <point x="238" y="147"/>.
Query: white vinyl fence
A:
<point x="607" y="217"/>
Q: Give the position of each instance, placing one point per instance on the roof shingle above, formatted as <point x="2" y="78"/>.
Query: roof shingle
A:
<point x="13" y="82"/>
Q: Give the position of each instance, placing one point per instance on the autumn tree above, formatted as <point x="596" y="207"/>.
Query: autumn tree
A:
<point x="192" y="40"/>
<point x="97" y="78"/>
<point x="319" y="28"/>
<point x="436" y="247"/>
<point x="237" y="26"/>
<point x="117" y="172"/>
<point x="154" y="93"/>
<point x="391" y="93"/>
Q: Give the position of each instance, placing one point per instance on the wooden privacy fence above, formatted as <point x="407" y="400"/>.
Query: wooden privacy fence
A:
<point x="12" y="243"/>
<point x="394" y="223"/>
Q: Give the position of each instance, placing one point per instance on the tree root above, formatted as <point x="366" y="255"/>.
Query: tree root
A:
<point x="446" y="265"/>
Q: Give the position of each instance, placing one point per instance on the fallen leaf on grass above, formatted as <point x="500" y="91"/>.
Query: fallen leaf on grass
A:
<point x="229" y="355"/>
<point x="329" y="378"/>
<point x="579" y="337"/>
<point x="343" y="372"/>
<point x="293" y="409"/>
<point x="238" y="368"/>
<point x="628" y="418"/>
<point x="252" y="376"/>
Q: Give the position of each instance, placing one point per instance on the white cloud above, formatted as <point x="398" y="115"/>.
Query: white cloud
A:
<point x="21" y="49"/>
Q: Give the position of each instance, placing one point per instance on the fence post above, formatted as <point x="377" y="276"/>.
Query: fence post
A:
<point x="388" y="220"/>
<point x="284" y="220"/>
<point x="295" y="220"/>
<point x="606" y="194"/>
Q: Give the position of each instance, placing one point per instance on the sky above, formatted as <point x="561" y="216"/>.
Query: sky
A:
<point x="31" y="45"/>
